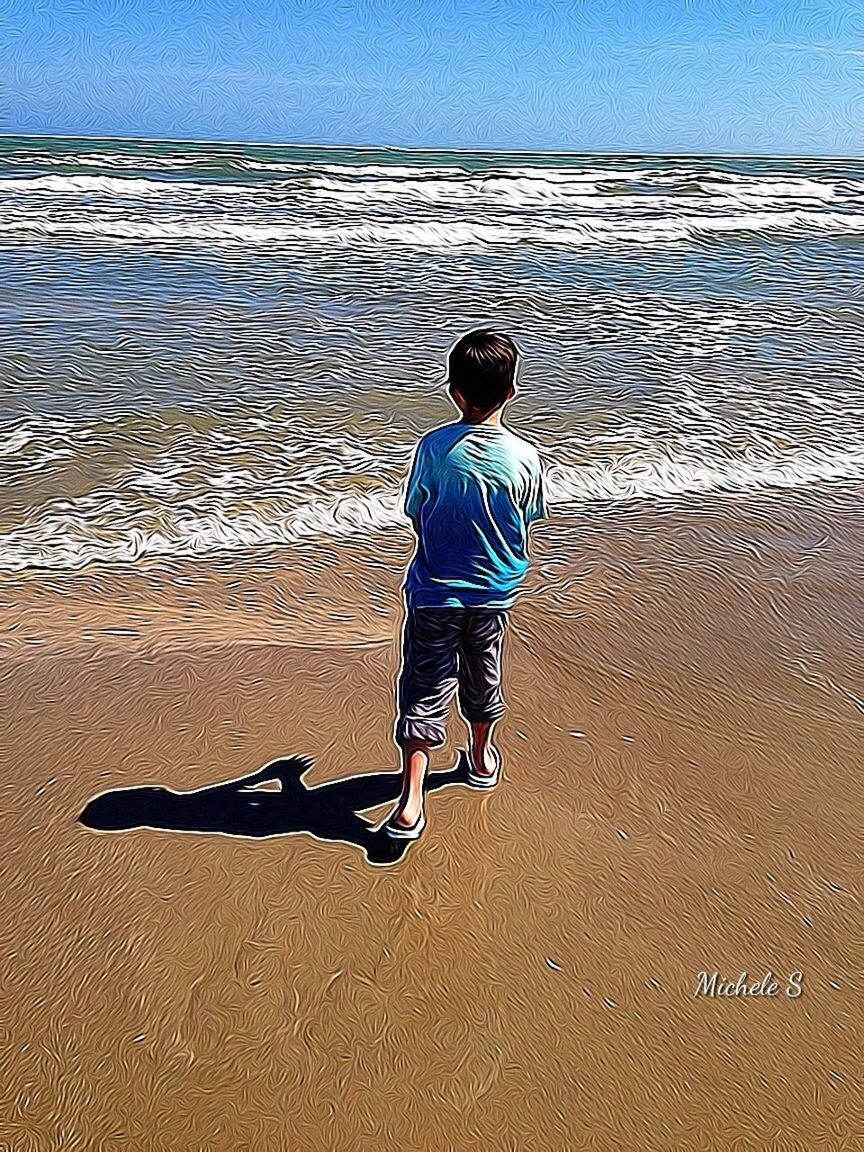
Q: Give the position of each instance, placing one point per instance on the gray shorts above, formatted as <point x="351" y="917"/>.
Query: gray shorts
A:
<point x="445" y="649"/>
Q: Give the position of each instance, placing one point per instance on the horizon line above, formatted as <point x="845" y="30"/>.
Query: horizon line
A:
<point x="407" y="148"/>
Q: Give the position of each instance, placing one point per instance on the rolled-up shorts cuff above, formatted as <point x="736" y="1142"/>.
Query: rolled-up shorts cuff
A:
<point x="421" y="732"/>
<point x="483" y="715"/>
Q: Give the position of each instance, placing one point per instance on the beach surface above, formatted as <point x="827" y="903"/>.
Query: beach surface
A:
<point x="682" y="794"/>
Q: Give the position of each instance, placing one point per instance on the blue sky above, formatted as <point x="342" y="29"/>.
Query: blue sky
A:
<point x="758" y="76"/>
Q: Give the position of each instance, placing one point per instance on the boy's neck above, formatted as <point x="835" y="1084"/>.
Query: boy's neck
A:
<point x="493" y="419"/>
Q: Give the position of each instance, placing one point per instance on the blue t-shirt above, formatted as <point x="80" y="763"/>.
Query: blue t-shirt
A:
<point x="473" y="489"/>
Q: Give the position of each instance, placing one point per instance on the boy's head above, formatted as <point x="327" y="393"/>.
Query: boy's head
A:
<point x="482" y="372"/>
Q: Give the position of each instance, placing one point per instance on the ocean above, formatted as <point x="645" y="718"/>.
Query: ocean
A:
<point x="207" y="348"/>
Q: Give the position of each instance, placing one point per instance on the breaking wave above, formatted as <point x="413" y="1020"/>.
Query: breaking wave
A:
<point x="114" y="527"/>
<point x="426" y="207"/>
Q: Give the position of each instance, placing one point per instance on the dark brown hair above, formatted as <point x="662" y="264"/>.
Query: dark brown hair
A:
<point x="482" y="367"/>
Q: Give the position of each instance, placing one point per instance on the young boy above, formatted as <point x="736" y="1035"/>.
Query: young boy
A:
<point x="474" y="489"/>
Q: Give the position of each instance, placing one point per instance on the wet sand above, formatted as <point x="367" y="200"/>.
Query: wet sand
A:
<point x="683" y="793"/>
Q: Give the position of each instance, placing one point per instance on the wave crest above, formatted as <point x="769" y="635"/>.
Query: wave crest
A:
<point x="76" y="533"/>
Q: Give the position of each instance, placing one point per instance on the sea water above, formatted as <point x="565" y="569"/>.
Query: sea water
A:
<point x="211" y="347"/>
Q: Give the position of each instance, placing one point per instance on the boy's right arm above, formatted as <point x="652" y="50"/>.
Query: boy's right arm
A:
<point x="415" y="493"/>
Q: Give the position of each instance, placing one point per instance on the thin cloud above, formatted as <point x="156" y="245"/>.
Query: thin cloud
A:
<point x="742" y="45"/>
<point x="825" y="49"/>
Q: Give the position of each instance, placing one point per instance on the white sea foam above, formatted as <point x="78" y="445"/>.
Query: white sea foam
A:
<point x="428" y="208"/>
<point x="532" y="229"/>
<point x="650" y="473"/>
<point x="135" y="187"/>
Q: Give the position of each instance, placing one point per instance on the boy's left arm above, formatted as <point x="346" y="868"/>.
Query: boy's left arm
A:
<point x="415" y="492"/>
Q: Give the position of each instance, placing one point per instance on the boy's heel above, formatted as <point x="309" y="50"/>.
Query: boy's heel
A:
<point x="405" y="831"/>
<point x="481" y="780"/>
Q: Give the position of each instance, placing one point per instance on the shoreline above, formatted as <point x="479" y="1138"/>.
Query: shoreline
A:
<point x="350" y="586"/>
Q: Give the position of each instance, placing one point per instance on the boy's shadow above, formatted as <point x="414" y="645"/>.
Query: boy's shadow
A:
<point x="239" y="808"/>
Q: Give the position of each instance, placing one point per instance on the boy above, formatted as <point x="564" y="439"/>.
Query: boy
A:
<point x="474" y="489"/>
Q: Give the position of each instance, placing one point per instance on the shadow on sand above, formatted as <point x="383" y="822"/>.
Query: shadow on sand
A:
<point x="240" y="808"/>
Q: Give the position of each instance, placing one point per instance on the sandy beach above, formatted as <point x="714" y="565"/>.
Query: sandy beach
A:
<point x="683" y="794"/>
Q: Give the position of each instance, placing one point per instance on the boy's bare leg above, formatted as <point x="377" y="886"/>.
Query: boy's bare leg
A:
<point x="482" y="755"/>
<point x="415" y="761"/>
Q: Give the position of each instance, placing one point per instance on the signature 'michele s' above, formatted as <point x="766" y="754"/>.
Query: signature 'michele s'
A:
<point x="714" y="985"/>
